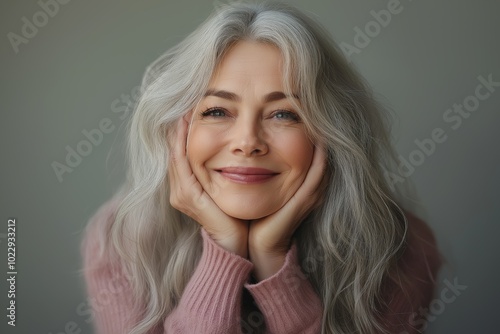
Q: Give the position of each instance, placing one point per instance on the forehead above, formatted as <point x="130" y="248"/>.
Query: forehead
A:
<point x="249" y="62"/>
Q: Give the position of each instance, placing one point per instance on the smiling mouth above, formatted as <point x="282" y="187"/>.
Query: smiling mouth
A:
<point x="246" y="175"/>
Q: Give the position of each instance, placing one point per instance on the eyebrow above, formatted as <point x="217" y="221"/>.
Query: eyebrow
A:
<point x="271" y="97"/>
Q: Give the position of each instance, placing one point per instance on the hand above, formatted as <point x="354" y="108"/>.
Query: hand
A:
<point x="188" y="196"/>
<point x="269" y="237"/>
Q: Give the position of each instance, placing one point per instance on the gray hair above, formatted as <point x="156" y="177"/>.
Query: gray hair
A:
<point x="347" y="245"/>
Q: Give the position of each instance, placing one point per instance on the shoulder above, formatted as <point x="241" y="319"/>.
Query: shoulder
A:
<point x="109" y="285"/>
<point x="95" y="237"/>
<point x="420" y="261"/>
<point x="103" y="270"/>
<point x="410" y="285"/>
<point x="422" y="252"/>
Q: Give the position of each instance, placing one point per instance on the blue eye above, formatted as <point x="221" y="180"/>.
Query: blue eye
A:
<point x="286" y="115"/>
<point x="214" y="112"/>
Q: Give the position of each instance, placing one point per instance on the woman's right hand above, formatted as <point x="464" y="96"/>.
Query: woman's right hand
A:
<point x="188" y="196"/>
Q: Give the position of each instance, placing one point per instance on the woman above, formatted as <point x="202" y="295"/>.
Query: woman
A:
<point x="256" y="200"/>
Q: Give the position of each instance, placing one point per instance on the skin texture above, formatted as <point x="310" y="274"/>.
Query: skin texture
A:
<point x="248" y="214"/>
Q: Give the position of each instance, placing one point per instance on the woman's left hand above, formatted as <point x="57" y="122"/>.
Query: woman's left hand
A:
<point x="269" y="237"/>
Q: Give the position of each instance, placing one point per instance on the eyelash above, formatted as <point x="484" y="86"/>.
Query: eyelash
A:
<point x="290" y="114"/>
<point x="209" y="111"/>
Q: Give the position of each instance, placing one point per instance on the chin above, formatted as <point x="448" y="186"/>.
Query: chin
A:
<point x="248" y="213"/>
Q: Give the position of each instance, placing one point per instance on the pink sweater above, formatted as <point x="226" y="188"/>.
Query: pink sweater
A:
<point x="220" y="286"/>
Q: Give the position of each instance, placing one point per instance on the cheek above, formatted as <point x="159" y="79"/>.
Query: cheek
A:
<point x="201" y="145"/>
<point x="296" y="150"/>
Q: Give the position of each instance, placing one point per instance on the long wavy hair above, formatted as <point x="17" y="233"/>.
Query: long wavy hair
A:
<point x="349" y="244"/>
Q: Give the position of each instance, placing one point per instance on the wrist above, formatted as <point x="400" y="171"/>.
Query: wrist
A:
<point x="238" y="249"/>
<point x="266" y="264"/>
<point x="234" y="244"/>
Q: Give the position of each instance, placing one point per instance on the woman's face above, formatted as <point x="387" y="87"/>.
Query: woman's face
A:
<point x="247" y="146"/>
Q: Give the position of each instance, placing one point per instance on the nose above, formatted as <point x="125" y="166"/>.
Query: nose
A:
<point x="248" y="138"/>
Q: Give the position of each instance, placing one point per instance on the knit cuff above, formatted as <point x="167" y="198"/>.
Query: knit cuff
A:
<point x="215" y="289"/>
<point x="287" y="299"/>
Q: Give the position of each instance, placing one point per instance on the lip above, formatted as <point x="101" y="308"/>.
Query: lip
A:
<point x="246" y="175"/>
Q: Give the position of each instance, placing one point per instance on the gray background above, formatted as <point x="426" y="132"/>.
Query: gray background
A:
<point x="65" y="79"/>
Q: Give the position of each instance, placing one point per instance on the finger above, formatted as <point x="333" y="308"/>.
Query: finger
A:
<point x="185" y="187"/>
<point x="179" y="163"/>
<point x="304" y="199"/>
<point x="180" y="173"/>
<point x="314" y="174"/>
<point x="174" y="139"/>
<point x="179" y="145"/>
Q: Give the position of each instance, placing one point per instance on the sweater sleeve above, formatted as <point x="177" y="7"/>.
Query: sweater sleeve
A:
<point x="287" y="299"/>
<point x="211" y="301"/>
